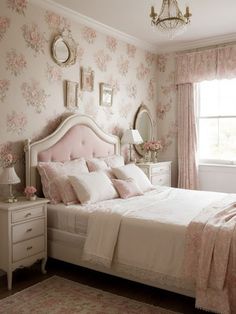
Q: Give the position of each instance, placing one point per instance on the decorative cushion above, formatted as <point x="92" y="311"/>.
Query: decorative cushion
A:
<point x="50" y="171"/>
<point x="134" y="172"/>
<point x="66" y="190"/>
<point x="93" y="187"/>
<point x="98" y="164"/>
<point x="127" y="188"/>
<point x="114" y="161"/>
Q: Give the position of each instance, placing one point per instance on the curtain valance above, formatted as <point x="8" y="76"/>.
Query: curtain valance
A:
<point x="217" y="63"/>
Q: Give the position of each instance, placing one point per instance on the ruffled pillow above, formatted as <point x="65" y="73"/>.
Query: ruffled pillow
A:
<point x="127" y="188"/>
<point x="51" y="171"/>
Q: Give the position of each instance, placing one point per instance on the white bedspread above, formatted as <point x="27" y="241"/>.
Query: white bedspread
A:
<point x="146" y="232"/>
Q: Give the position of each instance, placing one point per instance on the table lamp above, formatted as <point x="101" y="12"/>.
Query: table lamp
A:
<point x="9" y="176"/>
<point x="131" y="137"/>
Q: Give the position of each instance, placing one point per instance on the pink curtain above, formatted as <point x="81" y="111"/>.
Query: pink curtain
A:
<point x="217" y="63"/>
<point x="187" y="138"/>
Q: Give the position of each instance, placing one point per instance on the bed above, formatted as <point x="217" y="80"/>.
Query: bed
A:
<point x="165" y="214"/>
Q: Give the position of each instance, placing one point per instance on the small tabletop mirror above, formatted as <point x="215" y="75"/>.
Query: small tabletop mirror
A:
<point x="64" y="49"/>
<point x="143" y="123"/>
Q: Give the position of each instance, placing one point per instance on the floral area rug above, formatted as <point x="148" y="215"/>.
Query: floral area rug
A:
<point x="58" y="295"/>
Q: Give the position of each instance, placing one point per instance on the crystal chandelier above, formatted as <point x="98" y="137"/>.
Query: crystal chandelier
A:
<point x="171" y="20"/>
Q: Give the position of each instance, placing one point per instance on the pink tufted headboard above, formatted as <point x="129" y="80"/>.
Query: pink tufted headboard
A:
<point x="77" y="136"/>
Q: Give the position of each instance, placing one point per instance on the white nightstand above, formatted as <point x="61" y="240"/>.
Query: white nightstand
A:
<point x="23" y="235"/>
<point x="158" y="173"/>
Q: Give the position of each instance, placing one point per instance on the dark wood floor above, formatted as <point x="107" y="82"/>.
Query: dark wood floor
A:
<point x="26" y="277"/>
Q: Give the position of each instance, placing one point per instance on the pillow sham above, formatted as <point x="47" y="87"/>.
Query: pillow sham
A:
<point x="134" y="172"/>
<point x="93" y="187"/>
<point x="114" y="161"/>
<point x="98" y="164"/>
<point x="127" y="188"/>
<point x="66" y="190"/>
<point x="50" y="171"/>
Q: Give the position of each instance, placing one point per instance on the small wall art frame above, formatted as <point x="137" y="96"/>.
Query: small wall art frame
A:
<point x="87" y="79"/>
<point x="71" y="94"/>
<point x="106" y="95"/>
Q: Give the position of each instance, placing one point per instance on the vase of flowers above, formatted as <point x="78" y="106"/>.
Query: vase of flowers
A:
<point x="30" y="193"/>
<point x="152" y="148"/>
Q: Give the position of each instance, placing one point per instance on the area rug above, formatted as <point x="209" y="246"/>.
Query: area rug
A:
<point x="57" y="295"/>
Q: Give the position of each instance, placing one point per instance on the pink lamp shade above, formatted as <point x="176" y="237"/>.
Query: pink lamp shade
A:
<point x="9" y="176"/>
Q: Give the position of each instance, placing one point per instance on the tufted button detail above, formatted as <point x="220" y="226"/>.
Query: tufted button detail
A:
<point x="82" y="142"/>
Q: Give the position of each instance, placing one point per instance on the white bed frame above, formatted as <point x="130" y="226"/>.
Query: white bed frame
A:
<point x="67" y="250"/>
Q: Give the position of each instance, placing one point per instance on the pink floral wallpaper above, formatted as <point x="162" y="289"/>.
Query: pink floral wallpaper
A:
<point x="166" y="110"/>
<point x="32" y="85"/>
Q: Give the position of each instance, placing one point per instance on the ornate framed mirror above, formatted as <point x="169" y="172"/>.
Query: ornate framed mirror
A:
<point x="64" y="49"/>
<point x="143" y="123"/>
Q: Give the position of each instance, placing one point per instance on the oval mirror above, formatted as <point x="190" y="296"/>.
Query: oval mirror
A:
<point x="143" y="123"/>
<point x="64" y="50"/>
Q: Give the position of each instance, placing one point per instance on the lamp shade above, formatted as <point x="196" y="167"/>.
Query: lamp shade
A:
<point x="9" y="176"/>
<point x="131" y="137"/>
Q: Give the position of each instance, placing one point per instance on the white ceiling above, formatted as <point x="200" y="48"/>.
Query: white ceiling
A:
<point x="213" y="21"/>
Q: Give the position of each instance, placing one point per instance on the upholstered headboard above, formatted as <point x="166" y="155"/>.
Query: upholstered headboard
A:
<point x="77" y="136"/>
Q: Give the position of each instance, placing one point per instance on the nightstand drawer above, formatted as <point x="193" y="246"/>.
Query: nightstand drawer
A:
<point x="27" y="248"/>
<point x="25" y="214"/>
<point x="27" y="230"/>
<point x="160" y="169"/>
<point x="161" y="180"/>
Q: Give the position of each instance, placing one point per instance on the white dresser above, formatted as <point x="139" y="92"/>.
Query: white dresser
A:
<point x="23" y="235"/>
<point x="159" y="173"/>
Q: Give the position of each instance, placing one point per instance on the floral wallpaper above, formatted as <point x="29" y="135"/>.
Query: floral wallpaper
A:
<point x="32" y="85"/>
<point x="166" y="110"/>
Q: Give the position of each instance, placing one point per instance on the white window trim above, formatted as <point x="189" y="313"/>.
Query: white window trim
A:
<point x="209" y="162"/>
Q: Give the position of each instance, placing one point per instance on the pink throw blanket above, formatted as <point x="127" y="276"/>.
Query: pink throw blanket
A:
<point x="210" y="257"/>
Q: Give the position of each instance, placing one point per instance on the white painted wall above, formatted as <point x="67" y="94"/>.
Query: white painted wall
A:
<point x="218" y="178"/>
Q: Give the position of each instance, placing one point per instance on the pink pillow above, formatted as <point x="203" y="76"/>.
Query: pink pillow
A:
<point x="66" y="190"/>
<point x="50" y="171"/>
<point x="127" y="188"/>
<point x="98" y="164"/>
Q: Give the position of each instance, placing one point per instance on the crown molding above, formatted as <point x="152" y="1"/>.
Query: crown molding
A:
<point x="100" y="27"/>
<point x="197" y="44"/>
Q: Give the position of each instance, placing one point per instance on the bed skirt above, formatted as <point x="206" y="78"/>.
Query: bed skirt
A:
<point x="68" y="247"/>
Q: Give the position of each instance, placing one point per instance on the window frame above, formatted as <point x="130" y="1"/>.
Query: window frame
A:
<point x="207" y="161"/>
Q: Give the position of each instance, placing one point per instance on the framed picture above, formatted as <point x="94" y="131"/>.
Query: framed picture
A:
<point x="71" y="94"/>
<point x="106" y="94"/>
<point x="87" y="79"/>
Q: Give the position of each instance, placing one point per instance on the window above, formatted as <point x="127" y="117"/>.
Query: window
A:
<point x="217" y="121"/>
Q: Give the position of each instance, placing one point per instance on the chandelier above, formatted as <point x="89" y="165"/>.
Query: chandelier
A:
<point x="171" y="20"/>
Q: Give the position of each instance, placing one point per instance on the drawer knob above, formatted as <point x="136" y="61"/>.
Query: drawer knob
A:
<point x="29" y="230"/>
<point x="29" y="248"/>
<point x="27" y="215"/>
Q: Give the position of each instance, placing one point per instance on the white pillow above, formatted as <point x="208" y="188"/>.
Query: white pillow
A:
<point x="114" y="161"/>
<point x="134" y="172"/>
<point x="93" y="187"/>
